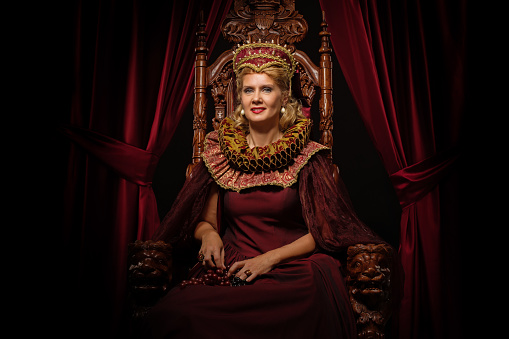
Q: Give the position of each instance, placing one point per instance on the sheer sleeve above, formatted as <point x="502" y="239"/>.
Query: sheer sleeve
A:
<point x="177" y="227"/>
<point x="327" y="209"/>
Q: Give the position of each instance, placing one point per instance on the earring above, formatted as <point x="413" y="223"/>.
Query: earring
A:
<point x="283" y="110"/>
<point x="242" y="112"/>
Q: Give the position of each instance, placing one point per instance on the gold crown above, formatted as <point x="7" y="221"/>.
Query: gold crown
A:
<point x="261" y="55"/>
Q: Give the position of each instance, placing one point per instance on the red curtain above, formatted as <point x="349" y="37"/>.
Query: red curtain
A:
<point x="133" y="78"/>
<point x="404" y="62"/>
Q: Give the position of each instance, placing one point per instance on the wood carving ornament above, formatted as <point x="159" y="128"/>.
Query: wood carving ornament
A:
<point x="149" y="270"/>
<point x="265" y="20"/>
<point x="369" y="285"/>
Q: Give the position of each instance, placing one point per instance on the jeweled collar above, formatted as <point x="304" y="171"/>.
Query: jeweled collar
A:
<point x="274" y="156"/>
<point x="229" y="177"/>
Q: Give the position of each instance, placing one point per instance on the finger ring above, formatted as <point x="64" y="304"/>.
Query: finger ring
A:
<point x="201" y="256"/>
<point x="248" y="272"/>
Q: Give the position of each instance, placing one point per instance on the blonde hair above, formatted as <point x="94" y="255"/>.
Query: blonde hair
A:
<point x="293" y="108"/>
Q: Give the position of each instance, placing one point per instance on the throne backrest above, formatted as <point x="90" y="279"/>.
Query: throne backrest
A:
<point x="274" y="21"/>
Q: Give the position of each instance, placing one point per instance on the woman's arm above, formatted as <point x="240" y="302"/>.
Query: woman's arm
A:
<point x="295" y="250"/>
<point x="264" y="263"/>
<point x="206" y="232"/>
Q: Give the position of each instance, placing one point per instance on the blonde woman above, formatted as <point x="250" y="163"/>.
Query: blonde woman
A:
<point x="261" y="211"/>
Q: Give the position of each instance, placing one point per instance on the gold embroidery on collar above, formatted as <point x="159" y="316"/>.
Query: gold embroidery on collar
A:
<point x="230" y="177"/>
<point x="274" y="156"/>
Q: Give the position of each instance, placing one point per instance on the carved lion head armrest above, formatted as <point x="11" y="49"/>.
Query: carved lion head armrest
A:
<point x="369" y="287"/>
<point x="149" y="271"/>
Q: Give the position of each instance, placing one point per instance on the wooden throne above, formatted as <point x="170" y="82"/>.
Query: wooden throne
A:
<point x="368" y="267"/>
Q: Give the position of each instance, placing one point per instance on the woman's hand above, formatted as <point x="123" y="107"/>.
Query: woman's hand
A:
<point x="212" y="250"/>
<point x="249" y="269"/>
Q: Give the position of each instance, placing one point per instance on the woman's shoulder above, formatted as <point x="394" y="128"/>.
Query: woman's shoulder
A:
<point x="314" y="147"/>
<point x="312" y="152"/>
<point x="228" y="176"/>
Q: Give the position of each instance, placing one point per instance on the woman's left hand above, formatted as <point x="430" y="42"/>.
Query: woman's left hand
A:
<point x="249" y="269"/>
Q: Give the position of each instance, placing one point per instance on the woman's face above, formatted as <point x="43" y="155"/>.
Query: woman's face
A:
<point x="261" y="99"/>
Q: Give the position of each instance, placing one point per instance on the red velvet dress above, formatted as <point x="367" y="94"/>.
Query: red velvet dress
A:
<point x="261" y="211"/>
<point x="305" y="298"/>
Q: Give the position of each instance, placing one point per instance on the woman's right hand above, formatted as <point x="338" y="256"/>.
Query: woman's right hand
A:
<point x="206" y="232"/>
<point x="212" y="250"/>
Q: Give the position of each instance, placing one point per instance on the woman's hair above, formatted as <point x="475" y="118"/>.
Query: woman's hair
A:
<point x="293" y="108"/>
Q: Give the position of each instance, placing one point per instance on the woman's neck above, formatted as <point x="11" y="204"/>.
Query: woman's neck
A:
<point x="260" y="138"/>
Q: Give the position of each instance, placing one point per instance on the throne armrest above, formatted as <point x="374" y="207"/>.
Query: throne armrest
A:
<point x="369" y="287"/>
<point x="149" y="274"/>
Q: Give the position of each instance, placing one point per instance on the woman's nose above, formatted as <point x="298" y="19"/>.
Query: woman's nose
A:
<point x="256" y="97"/>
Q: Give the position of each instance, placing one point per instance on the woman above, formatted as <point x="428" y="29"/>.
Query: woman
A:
<point x="263" y="207"/>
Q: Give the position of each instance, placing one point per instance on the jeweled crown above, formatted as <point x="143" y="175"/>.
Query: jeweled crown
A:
<point x="261" y="55"/>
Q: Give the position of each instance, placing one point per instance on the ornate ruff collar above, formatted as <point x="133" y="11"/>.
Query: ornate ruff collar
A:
<point x="272" y="157"/>
<point x="235" y="166"/>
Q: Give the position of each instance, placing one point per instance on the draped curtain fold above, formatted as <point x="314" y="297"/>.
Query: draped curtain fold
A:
<point x="404" y="64"/>
<point x="133" y="79"/>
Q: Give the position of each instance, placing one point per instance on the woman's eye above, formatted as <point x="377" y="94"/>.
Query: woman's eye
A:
<point x="267" y="89"/>
<point x="248" y="90"/>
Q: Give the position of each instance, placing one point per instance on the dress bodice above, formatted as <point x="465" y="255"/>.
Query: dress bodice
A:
<point x="262" y="219"/>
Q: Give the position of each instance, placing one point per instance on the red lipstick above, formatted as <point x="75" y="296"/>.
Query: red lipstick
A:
<point x="257" y="110"/>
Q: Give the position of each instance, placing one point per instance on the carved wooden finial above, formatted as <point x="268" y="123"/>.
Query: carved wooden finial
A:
<point x="201" y="25"/>
<point x="200" y="98"/>
<point x="325" y="46"/>
<point x="326" y="104"/>
<point x="201" y="45"/>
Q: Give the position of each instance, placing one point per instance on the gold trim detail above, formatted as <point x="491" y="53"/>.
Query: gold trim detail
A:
<point x="228" y="177"/>
<point x="274" y="156"/>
